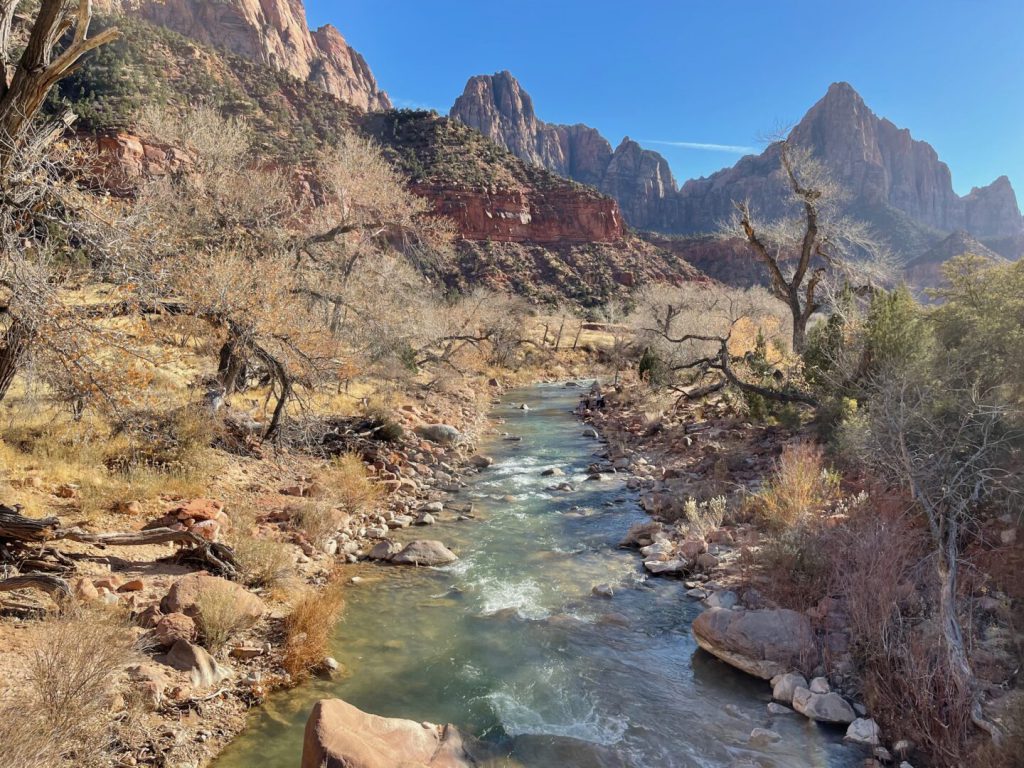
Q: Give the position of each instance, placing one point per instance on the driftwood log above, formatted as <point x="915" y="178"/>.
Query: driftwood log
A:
<point x="31" y="535"/>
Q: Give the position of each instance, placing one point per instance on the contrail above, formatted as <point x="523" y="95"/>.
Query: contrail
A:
<point x="733" y="148"/>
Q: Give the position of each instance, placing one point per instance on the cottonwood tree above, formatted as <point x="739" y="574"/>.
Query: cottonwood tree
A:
<point x="810" y="247"/>
<point x="703" y="339"/>
<point x="949" y="448"/>
<point x="43" y="219"/>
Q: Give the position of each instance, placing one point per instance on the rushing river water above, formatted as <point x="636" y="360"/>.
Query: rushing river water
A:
<point x="509" y="644"/>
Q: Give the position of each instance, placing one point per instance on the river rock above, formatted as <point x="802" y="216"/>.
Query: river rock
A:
<point x="603" y="590"/>
<point x="552" y="472"/>
<point x="442" y="434"/>
<point x="340" y="736"/>
<point x="481" y="462"/>
<point x="762" y="737"/>
<point x="659" y="550"/>
<point x="761" y="643"/>
<point x="665" y="567"/>
<point x="783" y="686"/>
<point x="774" y="708"/>
<point x="425" y="552"/>
<point x="425" y="518"/>
<point x="864" y="731"/>
<point x="725" y="598"/>
<point x="385" y="550"/>
<point x="641" y="534"/>
<point x="819" y="685"/>
<point x="823" y="707"/>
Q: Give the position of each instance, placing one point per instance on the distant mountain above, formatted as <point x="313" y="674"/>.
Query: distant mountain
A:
<point x="271" y="32"/>
<point x="498" y="107"/>
<point x="925" y="271"/>
<point x="896" y="182"/>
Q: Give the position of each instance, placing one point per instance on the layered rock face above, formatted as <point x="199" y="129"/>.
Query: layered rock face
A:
<point x="881" y="166"/>
<point x="640" y="180"/>
<point x="272" y="32"/>
<point x="560" y="215"/>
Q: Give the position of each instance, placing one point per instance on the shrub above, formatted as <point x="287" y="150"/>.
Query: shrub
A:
<point x="799" y="485"/>
<point x="318" y="522"/>
<point x="263" y="562"/>
<point x="220" y="616"/>
<point x="348" y="481"/>
<point x="704" y="517"/>
<point x="799" y="566"/>
<point x="308" y="628"/>
<point x="64" y="712"/>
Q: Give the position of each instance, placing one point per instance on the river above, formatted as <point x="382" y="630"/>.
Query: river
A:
<point x="509" y="644"/>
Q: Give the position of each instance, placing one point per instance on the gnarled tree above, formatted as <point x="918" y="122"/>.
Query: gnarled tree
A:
<point x="809" y="246"/>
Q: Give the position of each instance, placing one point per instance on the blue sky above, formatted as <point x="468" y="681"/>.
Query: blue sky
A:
<point x="717" y="73"/>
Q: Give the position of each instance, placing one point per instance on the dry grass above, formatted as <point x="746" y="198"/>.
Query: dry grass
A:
<point x="146" y="458"/>
<point x="318" y="522"/>
<point x="703" y="518"/>
<point x="799" y="486"/>
<point x="220" y="617"/>
<point x="63" y="715"/>
<point x="347" y="480"/>
<point x="308" y="628"/>
<point x="263" y="562"/>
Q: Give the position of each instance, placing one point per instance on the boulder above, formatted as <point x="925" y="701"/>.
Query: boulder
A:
<point x="724" y="598"/>
<point x="481" y="462"/>
<point x="762" y="643"/>
<point x="864" y="731"/>
<point x="823" y="707"/>
<point x="425" y="552"/>
<point x="665" y="567"/>
<point x="819" y="685"/>
<point x="174" y="627"/>
<point x="340" y="736"/>
<point x="385" y="550"/>
<point x="442" y="434"/>
<point x="183" y="595"/>
<point x="783" y="686"/>
<point x="201" y="666"/>
<point x="641" y="534"/>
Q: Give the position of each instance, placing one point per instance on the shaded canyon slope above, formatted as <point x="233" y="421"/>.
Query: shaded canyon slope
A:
<point x="271" y="32"/>
<point x="895" y="182"/>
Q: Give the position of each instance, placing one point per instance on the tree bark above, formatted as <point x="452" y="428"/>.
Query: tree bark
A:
<point x="16" y="343"/>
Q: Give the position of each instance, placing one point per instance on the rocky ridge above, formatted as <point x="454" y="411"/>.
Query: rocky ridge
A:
<point x="896" y="182"/>
<point x="271" y="32"/>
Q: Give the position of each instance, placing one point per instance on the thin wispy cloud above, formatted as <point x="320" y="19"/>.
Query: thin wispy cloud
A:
<point x="735" y="149"/>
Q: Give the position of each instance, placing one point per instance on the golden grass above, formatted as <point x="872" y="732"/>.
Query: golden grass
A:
<point x="220" y="616"/>
<point x="346" y="479"/>
<point x="309" y="626"/>
<point x="63" y="712"/>
<point x="800" y="485"/>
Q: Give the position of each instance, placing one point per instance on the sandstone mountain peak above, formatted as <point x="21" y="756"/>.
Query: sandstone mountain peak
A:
<point x="272" y="32"/>
<point x="894" y="180"/>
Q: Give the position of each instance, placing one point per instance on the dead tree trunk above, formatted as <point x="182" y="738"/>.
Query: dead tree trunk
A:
<point x="42" y="64"/>
<point x="15" y="348"/>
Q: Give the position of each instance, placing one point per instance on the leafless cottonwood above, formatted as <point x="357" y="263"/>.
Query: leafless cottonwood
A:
<point x="43" y="218"/>
<point x="949" y="450"/>
<point x="695" y="331"/>
<point x="802" y="252"/>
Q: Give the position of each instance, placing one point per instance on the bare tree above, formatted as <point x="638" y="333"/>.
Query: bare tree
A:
<point x="41" y="217"/>
<point x="949" y="450"/>
<point x="801" y="252"/>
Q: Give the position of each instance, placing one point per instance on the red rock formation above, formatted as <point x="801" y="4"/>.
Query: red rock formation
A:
<point x="926" y="270"/>
<point x="123" y="160"/>
<point x="273" y="32"/>
<point x="561" y="215"/>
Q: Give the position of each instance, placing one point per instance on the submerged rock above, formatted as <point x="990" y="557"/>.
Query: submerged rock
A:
<point x="761" y="643"/>
<point x="425" y="552"/>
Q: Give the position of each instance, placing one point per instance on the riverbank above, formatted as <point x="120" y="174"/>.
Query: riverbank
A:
<point x="545" y="636"/>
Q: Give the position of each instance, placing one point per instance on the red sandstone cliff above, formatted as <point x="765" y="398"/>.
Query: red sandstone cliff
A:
<point x="272" y="32"/>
